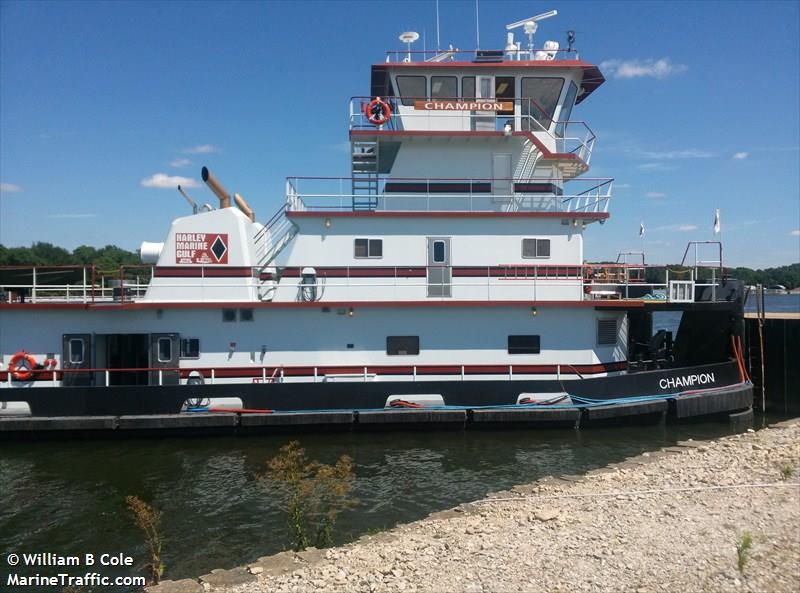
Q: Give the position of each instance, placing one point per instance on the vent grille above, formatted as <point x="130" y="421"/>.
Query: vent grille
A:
<point x="606" y="332"/>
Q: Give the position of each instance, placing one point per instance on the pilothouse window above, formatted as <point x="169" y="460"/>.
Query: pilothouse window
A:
<point x="411" y="88"/>
<point x="468" y="88"/>
<point x="566" y="109"/>
<point x="444" y="87"/>
<point x="539" y="100"/>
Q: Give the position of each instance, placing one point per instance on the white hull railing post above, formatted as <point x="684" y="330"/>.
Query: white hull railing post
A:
<point x="33" y="287"/>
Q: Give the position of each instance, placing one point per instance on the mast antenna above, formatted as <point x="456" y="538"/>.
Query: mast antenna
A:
<point x="438" y="46"/>
<point x="477" y="26"/>
<point x="530" y="25"/>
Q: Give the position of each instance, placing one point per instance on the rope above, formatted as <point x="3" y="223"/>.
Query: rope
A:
<point x="639" y="492"/>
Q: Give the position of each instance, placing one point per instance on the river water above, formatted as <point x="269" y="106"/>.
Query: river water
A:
<point x="68" y="497"/>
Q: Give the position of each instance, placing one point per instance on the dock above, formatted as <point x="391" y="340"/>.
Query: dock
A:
<point x="777" y="388"/>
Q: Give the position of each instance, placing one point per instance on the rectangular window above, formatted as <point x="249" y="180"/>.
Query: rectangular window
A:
<point x="228" y="315"/>
<point x="444" y="87"/>
<point x="402" y="345"/>
<point x="606" y="332"/>
<point x="76" y="351"/>
<point x="535" y="248"/>
<point x="190" y="348"/>
<point x="438" y="252"/>
<point x="539" y="100"/>
<point x="245" y="315"/>
<point x="368" y="248"/>
<point x="468" y="88"/>
<point x="164" y="349"/>
<point x="524" y="344"/>
<point x="411" y="88"/>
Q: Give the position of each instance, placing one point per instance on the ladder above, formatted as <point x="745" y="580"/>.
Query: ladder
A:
<point x="364" y="170"/>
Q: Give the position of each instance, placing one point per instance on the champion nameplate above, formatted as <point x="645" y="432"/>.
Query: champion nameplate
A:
<point x="464" y="105"/>
<point x="201" y="248"/>
<point x="686" y="381"/>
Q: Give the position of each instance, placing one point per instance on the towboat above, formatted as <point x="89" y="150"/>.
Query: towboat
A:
<point x="442" y="283"/>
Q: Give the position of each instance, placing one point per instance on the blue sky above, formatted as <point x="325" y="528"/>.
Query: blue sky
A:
<point x="700" y="111"/>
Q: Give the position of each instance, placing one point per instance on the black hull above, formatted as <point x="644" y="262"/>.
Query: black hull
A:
<point x="360" y="405"/>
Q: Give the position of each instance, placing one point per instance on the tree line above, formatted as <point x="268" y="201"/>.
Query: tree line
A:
<point x="110" y="258"/>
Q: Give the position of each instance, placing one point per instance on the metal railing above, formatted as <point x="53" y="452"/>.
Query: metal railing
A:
<point x="589" y="195"/>
<point x="560" y="137"/>
<point x="529" y="281"/>
<point x="455" y="54"/>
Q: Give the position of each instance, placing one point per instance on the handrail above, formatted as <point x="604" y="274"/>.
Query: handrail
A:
<point x="401" y="54"/>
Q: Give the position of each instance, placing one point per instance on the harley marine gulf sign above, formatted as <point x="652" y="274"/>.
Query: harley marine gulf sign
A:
<point x="201" y="248"/>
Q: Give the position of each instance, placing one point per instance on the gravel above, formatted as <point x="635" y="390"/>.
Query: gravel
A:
<point x="660" y="522"/>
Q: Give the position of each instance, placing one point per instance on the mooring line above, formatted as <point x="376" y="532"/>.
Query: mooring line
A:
<point x="638" y="492"/>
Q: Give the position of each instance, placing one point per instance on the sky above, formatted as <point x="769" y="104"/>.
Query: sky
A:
<point x="104" y="107"/>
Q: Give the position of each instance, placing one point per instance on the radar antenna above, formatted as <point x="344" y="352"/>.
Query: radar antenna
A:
<point x="530" y="25"/>
<point x="408" y="37"/>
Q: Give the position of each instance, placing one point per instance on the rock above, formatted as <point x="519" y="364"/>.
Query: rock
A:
<point x="181" y="586"/>
<point x="227" y="578"/>
<point x="255" y="569"/>
<point x="547" y="513"/>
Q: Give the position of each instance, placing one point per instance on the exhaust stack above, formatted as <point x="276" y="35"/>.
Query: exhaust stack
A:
<point x="216" y="187"/>
<point x="244" y="207"/>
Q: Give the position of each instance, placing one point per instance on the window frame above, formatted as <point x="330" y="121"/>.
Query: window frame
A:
<point x="82" y="342"/>
<point x="454" y="79"/>
<point x="549" y="116"/>
<point x="463" y="95"/>
<point x="534" y="348"/>
<point x="395" y="351"/>
<point x="161" y="340"/>
<point x="408" y="100"/>
<point x="185" y="352"/>
<point x="538" y="241"/>
<point x="369" y="246"/>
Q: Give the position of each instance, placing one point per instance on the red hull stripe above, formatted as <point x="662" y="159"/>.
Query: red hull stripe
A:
<point x="403" y="370"/>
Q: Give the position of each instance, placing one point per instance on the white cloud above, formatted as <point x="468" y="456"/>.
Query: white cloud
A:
<point x="795" y="233"/>
<point x="659" y="69"/>
<point x="180" y="162"/>
<point x="740" y="156"/>
<point x="72" y="216"/>
<point x="164" y="181"/>
<point x="9" y="188"/>
<point x="623" y="186"/>
<point x="655" y="167"/>
<point x="687" y="227"/>
<point x="655" y="194"/>
<point x="686" y="153"/>
<point x="201" y="149"/>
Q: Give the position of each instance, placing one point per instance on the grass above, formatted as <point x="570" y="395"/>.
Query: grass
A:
<point x="311" y="494"/>
<point x="743" y="546"/>
<point x="148" y="520"/>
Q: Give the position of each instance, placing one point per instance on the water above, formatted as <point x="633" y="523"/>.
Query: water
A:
<point x="68" y="497"/>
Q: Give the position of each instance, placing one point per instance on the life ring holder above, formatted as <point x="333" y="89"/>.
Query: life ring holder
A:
<point x="22" y="372"/>
<point x="378" y="112"/>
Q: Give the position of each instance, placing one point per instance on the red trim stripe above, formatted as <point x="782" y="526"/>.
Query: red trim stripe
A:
<point x="202" y="272"/>
<point x="443" y="214"/>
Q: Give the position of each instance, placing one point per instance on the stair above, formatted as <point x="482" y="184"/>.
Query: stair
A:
<point x="527" y="162"/>
<point x="270" y="240"/>
<point x="364" y="173"/>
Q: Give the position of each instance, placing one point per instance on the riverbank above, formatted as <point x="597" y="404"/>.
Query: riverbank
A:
<point x="663" y="521"/>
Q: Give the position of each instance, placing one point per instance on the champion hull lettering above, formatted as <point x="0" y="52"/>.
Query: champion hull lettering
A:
<point x="444" y="283"/>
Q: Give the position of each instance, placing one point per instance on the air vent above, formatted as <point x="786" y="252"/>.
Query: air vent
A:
<point x="606" y="332"/>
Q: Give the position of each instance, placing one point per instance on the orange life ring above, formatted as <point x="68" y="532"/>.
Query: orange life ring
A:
<point x="24" y="371"/>
<point x="378" y="112"/>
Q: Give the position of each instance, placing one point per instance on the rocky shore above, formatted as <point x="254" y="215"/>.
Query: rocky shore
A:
<point x="663" y="521"/>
